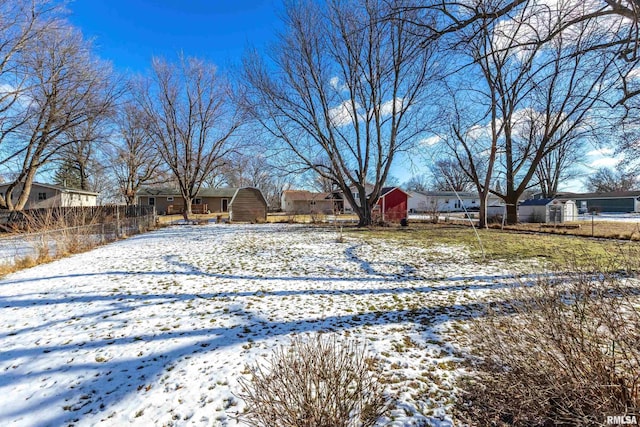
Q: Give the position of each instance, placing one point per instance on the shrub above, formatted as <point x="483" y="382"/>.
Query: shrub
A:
<point x="316" y="382"/>
<point x="565" y="351"/>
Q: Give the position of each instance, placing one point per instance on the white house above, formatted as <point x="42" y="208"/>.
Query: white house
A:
<point x="450" y="201"/>
<point x="354" y="192"/>
<point x="53" y="196"/>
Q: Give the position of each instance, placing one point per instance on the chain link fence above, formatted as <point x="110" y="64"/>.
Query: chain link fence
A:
<point x="40" y="235"/>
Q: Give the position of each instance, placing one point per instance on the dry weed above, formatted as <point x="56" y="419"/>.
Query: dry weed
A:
<point x="316" y="382"/>
<point x="564" y="350"/>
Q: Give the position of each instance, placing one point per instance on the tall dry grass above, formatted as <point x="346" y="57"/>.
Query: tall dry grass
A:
<point x="563" y="350"/>
<point x="317" y="381"/>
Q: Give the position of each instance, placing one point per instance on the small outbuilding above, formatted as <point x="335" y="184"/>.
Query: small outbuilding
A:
<point x="547" y="211"/>
<point x="248" y="205"/>
<point x="393" y="204"/>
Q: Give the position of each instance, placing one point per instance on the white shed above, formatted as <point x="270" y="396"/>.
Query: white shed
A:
<point x="547" y="211"/>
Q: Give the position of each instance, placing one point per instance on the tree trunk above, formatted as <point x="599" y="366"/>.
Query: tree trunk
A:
<point x="364" y="215"/>
<point x="187" y="208"/>
<point x="482" y="213"/>
<point x="26" y="190"/>
<point x="512" y="211"/>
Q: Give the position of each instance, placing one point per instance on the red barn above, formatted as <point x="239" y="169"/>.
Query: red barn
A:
<point x="393" y="205"/>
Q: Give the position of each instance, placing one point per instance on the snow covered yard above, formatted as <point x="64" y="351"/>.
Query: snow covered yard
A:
<point x="156" y="329"/>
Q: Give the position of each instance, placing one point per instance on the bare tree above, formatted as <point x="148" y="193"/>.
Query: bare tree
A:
<point x="558" y="165"/>
<point x="449" y="174"/>
<point x="605" y="180"/>
<point x="454" y="16"/>
<point x="256" y="171"/>
<point x="347" y="85"/>
<point x="417" y="183"/>
<point x="82" y="155"/>
<point x="535" y="99"/>
<point x="66" y="88"/>
<point x="320" y="182"/>
<point x="134" y="159"/>
<point x="191" y="120"/>
<point x="21" y="23"/>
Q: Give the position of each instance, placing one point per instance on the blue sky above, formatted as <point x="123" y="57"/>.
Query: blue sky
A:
<point x="129" y="32"/>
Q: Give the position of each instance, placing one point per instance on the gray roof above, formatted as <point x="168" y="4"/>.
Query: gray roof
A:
<point x="204" y="192"/>
<point x="609" y="195"/>
<point x="386" y="190"/>
<point x="543" y="202"/>
<point x="536" y="202"/>
<point x="58" y="188"/>
<point x="453" y="194"/>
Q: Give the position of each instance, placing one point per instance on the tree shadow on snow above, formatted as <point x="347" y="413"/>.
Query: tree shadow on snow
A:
<point x="102" y="383"/>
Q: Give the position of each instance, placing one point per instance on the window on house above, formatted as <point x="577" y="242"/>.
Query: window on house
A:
<point x="42" y="196"/>
<point x="169" y="199"/>
<point x="86" y="198"/>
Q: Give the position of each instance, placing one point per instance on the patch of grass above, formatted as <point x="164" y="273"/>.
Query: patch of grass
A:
<point x="601" y="229"/>
<point x="504" y="245"/>
<point x="22" y="263"/>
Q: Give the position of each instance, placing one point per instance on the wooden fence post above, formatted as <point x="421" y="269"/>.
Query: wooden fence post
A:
<point x="117" y="222"/>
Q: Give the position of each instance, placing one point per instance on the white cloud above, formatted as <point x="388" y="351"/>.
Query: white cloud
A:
<point x="11" y="93"/>
<point x="430" y="141"/>
<point x="343" y="114"/>
<point x="481" y="131"/>
<point x="386" y="108"/>
<point x="605" y="162"/>
<point x="335" y="83"/>
<point x="634" y="73"/>
<point x="542" y="17"/>
<point x="6" y="88"/>
<point x="601" y="152"/>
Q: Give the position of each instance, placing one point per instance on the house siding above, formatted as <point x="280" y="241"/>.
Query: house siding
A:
<point x="617" y="205"/>
<point x="309" y="206"/>
<point x="307" y="202"/>
<point x="53" y="197"/>
<point x="248" y="205"/>
<point x="449" y="202"/>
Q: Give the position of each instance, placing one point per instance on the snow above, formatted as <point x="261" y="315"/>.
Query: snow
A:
<point x="614" y="217"/>
<point x="158" y="328"/>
